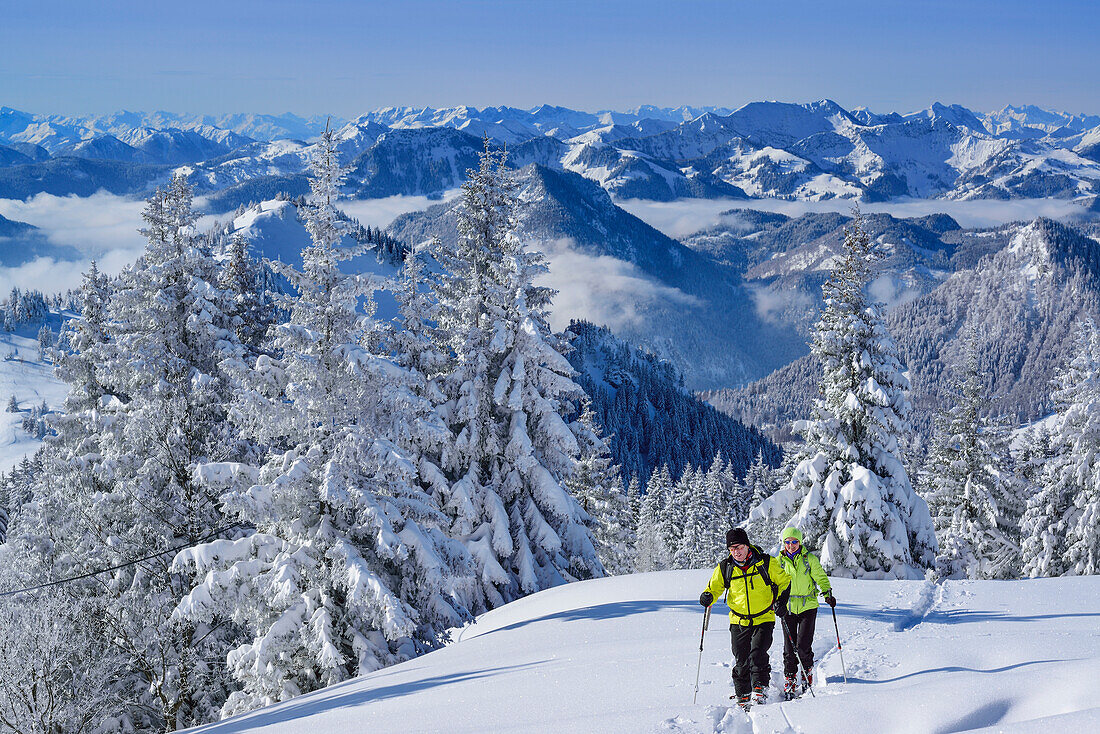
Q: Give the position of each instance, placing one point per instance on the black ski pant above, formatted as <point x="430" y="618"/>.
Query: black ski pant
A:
<point x="801" y="629"/>
<point x="751" y="666"/>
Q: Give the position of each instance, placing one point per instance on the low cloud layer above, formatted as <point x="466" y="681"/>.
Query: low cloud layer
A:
<point x="52" y="276"/>
<point x="382" y="212"/>
<point x="679" y="218"/>
<point x="686" y="216"/>
<point x="601" y="289"/>
<point x="105" y="227"/>
<point x="93" y="225"/>
<point x="102" y="227"/>
<point x="777" y="306"/>
<point x="890" y="292"/>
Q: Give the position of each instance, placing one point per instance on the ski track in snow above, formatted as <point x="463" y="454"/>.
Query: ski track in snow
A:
<point x="865" y="646"/>
<point x="930" y="594"/>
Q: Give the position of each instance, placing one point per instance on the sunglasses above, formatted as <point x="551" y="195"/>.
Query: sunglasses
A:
<point x="790" y="542"/>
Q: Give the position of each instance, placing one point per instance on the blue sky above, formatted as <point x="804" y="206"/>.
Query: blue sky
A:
<point x="344" y="57"/>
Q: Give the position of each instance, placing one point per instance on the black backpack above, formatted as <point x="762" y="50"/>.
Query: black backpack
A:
<point x="727" y="575"/>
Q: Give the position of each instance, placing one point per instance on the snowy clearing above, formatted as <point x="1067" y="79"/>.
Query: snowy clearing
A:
<point x="620" y="655"/>
<point x="32" y="382"/>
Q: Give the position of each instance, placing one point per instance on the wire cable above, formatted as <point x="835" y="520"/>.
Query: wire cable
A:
<point x="90" y="574"/>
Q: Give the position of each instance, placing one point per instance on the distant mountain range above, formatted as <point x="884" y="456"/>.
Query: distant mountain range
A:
<point x="727" y="305"/>
<point x="764" y="149"/>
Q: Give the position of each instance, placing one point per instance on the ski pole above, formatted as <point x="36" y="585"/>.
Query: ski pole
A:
<point x="801" y="667"/>
<point x="699" y="667"/>
<point x="843" y="667"/>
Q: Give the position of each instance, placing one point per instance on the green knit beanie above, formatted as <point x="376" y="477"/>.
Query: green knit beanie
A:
<point x="791" y="533"/>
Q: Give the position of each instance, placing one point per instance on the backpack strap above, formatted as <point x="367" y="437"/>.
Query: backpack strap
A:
<point x="727" y="571"/>
<point x="727" y="574"/>
<point x="810" y="573"/>
<point x="767" y="577"/>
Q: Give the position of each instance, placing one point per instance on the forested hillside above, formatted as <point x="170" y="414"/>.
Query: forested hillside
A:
<point x="651" y="419"/>
<point x="1021" y="301"/>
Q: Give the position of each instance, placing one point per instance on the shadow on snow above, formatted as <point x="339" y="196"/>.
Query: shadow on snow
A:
<point x="946" y="669"/>
<point x="332" y="699"/>
<point x="610" y="610"/>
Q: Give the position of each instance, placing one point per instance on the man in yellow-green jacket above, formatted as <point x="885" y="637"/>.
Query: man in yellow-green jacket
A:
<point x="808" y="580"/>
<point x="756" y="588"/>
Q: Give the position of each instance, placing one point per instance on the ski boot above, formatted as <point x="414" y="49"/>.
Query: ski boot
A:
<point x="744" y="701"/>
<point x="790" y="687"/>
<point x="807" y="682"/>
<point x="759" y="695"/>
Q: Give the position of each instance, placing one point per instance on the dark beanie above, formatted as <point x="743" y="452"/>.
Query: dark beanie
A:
<point x="736" y="536"/>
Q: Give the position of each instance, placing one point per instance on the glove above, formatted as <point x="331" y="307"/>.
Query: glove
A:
<point x="830" y="600"/>
<point x="781" y="610"/>
<point x="706" y="598"/>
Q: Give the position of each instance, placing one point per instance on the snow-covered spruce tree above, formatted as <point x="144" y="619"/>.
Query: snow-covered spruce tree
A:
<point x="249" y="308"/>
<point x="1083" y="531"/>
<point x="508" y="388"/>
<point x="634" y="502"/>
<point x="1059" y="526"/>
<point x="51" y="537"/>
<point x="417" y="427"/>
<point x="80" y="346"/>
<point x="966" y="473"/>
<point x="699" y="542"/>
<point x="722" y="488"/>
<point x="851" y="496"/>
<point x="598" y="489"/>
<point x="5" y="512"/>
<point x="651" y="551"/>
<point x="347" y="570"/>
<point x="416" y="346"/>
<point x="634" y="497"/>
<point x="45" y="342"/>
<point x="759" y="483"/>
<point x="146" y="408"/>
<point x="672" y="516"/>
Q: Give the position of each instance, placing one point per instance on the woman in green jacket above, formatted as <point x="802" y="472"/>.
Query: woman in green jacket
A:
<point x="807" y="580"/>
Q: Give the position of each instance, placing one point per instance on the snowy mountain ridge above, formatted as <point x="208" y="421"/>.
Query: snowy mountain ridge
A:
<point x="791" y="151"/>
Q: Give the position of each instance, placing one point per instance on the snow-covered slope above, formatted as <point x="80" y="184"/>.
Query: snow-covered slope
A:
<point x="620" y="655"/>
<point x="32" y="382"/>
